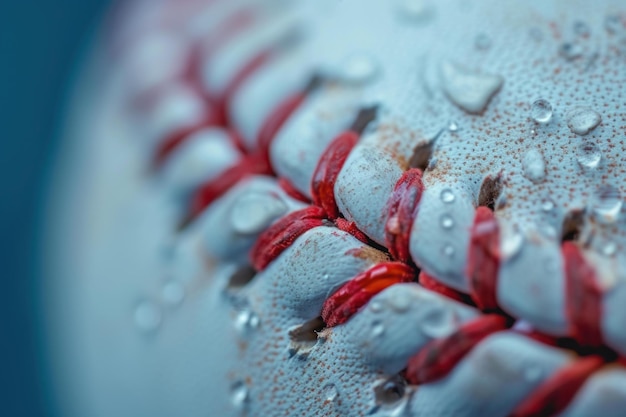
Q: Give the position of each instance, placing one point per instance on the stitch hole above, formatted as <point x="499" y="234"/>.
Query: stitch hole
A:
<point x="364" y="118"/>
<point x="390" y="390"/>
<point x="241" y="277"/>
<point x="304" y="337"/>
<point x="422" y="155"/>
<point x="572" y="225"/>
<point x="314" y="83"/>
<point x="490" y="192"/>
<point x="609" y="355"/>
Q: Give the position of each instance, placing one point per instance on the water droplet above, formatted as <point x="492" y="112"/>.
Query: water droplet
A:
<point x="330" y="393"/>
<point x="589" y="155"/>
<point x="607" y="204"/>
<point x="378" y="329"/>
<point x="547" y="205"/>
<point x="534" y="166"/>
<point x="390" y="391"/>
<point x="541" y="111"/>
<point x="376" y="306"/>
<point x="147" y="316"/>
<point x="469" y="90"/>
<point x="400" y="302"/>
<point x="360" y="69"/>
<point x="447" y="196"/>
<point x="612" y="23"/>
<point x="581" y="28"/>
<point x="532" y="373"/>
<point x="446" y="221"/>
<point x="609" y="249"/>
<point x="511" y="245"/>
<point x="438" y="321"/>
<point x="582" y="120"/>
<point x="482" y="41"/>
<point x="448" y="250"/>
<point x="453" y="126"/>
<point x="247" y="320"/>
<point x="173" y="293"/>
<point x="239" y="394"/>
<point x="570" y="50"/>
<point x="415" y="10"/>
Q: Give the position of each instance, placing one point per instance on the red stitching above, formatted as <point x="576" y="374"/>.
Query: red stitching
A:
<point x="291" y="191"/>
<point x="583" y="297"/>
<point x="402" y="208"/>
<point x="432" y="284"/>
<point x="440" y="356"/>
<point x="275" y="121"/>
<point x="202" y="51"/>
<point x="554" y="394"/>
<point x="212" y="190"/>
<point x="199" y="53"/>
<point x="222" y="104"/>
<point x="279" y="236"/>
<point x="353" y="295"/>
<point x="351" y="227"/>
<point x="327" y="171"/>
<point x="484" y="259"/>
<point x="175" y="140"/>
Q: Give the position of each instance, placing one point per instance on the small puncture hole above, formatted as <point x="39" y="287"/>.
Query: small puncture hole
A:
<point x="390" y="391"/>
<point x="307" y="332"/>
<point x="364" y="118"/>
<point x="490" y="190"/>
<point x="314" y="83"/>
<point x="421" y="156"/>
<point x="572" y="225"/>
<point x="304" y="337"/>
<point x="241" y="277"/>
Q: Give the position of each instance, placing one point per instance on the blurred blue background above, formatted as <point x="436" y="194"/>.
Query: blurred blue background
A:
<point x="41" y="42"/>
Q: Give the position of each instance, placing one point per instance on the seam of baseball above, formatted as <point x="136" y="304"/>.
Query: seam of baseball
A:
<point x="484" y="301"/>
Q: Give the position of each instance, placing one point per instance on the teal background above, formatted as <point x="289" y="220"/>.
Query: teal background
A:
<point x="41" y="42"/>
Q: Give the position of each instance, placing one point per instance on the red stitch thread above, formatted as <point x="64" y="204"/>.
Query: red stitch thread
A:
<point x="353" y="295"/>
<point x="291" y="191"/>
<point x="327" y="171"/>
<point x="214" y="189"/>
<point x="279" y="236"/>
<point x="584" y="297"/>
<point x="433" y="285"/>
<point x="351" y="227"/>
<point x="199" y="53"/>
<point x="202" y="51"/>
<point x="402" y="209"/>
<point x="174" y="141"/>
<point x="554" y="394"/>
<point x="484" y="259"/>
<point x="440" y="356"/>
<point x="222" y="104"/>
<point x="275" y="121"/>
